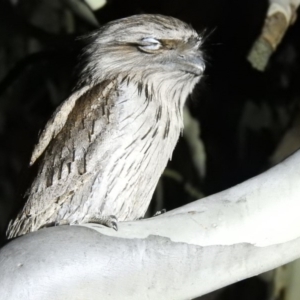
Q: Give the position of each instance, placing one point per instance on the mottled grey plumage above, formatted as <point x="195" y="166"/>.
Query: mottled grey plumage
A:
<point x="104" y="149"/>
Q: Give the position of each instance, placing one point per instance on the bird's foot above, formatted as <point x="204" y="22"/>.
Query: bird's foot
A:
<point x="160" y="212"/>
<point x="108" y="221"/>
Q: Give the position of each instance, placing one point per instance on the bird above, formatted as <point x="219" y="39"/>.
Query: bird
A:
<point x="102" y="152"/>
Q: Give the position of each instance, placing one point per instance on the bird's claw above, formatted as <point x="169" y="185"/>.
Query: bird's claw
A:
<point x="108" y="221"/>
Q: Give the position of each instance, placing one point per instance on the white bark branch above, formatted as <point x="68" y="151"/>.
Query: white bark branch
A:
<point x="238" y="233"/>
<point x="280" y="15"/>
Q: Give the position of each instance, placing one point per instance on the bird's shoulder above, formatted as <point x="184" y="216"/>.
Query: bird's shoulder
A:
<point x="77" y="106"/>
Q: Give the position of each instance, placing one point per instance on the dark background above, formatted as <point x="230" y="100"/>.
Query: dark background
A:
<point x="243" y="114"/>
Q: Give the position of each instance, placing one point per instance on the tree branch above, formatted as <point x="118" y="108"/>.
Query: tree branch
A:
<point x="200" y="247"/>
<point x="280" y="15"/>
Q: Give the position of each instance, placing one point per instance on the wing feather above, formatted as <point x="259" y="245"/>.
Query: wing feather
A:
<point x="55" y="124"/>
<point x="61" y="176"/>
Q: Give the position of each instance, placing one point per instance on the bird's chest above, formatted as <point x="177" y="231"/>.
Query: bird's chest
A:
<point x="148" y="127"/>
<point x="146" y="132"/>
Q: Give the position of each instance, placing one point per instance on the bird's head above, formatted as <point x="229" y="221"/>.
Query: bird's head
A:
<point x="144" y="46"/>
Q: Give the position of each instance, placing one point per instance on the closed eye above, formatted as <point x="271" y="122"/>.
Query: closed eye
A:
<point x="150" y="45"/>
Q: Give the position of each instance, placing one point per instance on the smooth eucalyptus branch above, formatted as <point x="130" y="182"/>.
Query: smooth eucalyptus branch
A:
<point x="280" y="15"/>
<point x="200" y="247"/>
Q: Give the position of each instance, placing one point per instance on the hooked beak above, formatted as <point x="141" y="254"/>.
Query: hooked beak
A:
<point x="193" y="64"/>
